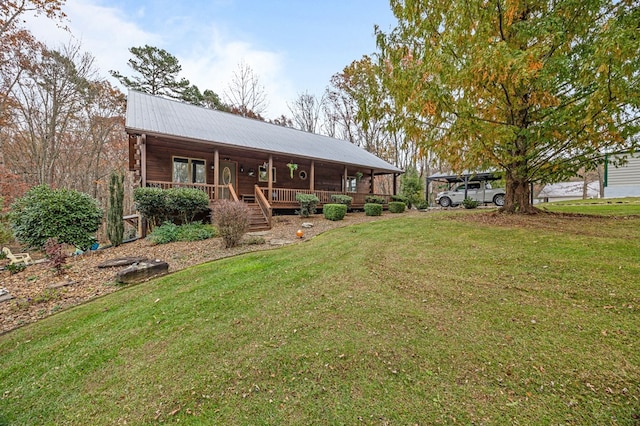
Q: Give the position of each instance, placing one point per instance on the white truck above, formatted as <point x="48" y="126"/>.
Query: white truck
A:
<point x="481" y="191"/>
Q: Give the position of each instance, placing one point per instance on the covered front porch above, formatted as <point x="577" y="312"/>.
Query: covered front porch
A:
<point x="266" y="200"/>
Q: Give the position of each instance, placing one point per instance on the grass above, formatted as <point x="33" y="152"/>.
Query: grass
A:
<point x="603" y="206"/>
<point x="462" y="317"/>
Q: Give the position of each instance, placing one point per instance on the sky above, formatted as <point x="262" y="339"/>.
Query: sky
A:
<point x="292" y="46"/>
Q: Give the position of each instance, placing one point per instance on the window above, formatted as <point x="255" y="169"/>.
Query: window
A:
<point x="351" y="184"/>
<point x="189" y="170"/>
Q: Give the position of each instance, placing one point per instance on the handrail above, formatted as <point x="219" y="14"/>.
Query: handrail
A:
<point x="263" y="203"/>
<point x="232" y="193"/>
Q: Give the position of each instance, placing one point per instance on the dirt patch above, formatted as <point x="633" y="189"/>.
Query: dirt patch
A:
<point x="39" y="291"/>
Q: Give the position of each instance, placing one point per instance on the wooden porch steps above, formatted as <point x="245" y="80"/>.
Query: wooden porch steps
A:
<point x="257" y="221"/>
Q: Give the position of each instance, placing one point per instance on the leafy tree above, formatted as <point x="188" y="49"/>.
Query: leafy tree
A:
<point x="115" y="222"/>
<point x="69" y="216"/>
<point x="537" y="88"/>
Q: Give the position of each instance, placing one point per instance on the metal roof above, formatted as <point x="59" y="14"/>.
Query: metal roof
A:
<point x="153" y="115"/>
<point x="466" y="175"/>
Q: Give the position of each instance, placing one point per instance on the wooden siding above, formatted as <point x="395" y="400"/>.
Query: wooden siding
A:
<point x="328" y="177"/>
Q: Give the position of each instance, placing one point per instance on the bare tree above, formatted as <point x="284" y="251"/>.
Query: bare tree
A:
<point x="245" y="95"/>
<point x="67" y="125"/>
<point x="306" y="111"/>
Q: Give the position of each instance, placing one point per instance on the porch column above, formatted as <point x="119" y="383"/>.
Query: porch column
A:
<point x="270" y="174"/>
<point x="312" y="176"/>
<point x="216" y="175"/>
<point x="142" y="140"/>
<point x="344" y="180"/>
<point x="395" y="183"/>
<point x="371" y="184"/>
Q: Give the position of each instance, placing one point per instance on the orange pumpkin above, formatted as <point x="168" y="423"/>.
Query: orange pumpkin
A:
<point x="299" y="233"/>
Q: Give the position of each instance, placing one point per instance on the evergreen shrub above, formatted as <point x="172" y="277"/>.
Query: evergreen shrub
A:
<point x="397" y="207"/>
<point x="373" y="209"/>
<point x="308" y="204"/>
<point x="334" y="211"/>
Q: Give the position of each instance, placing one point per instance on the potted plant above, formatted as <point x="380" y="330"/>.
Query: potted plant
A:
<point x="292" y="168"/>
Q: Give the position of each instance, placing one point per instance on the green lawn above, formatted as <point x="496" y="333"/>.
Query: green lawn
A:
<point x="445" y="318"/>
<point x="602" y="206"/>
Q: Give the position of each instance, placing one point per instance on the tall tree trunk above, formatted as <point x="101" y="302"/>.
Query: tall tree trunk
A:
<point x="518" y="195"/>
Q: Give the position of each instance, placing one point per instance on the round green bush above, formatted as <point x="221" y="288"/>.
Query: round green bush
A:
<point x="373" y="209"/>
<point x="397" y="207"/>
<point x="334" y="211"/>
<point x="69" y="216"/>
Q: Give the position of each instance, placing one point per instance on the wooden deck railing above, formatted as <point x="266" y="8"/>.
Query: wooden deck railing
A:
<point x="287" y="197"/>
<point x="223" y="191"/>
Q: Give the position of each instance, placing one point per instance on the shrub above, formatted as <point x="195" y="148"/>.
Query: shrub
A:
<point x="169" y="232"/>
<point x="196" y="231"/>
<point x="411" y="186"/>
<point x="342" y="199"/>
<point x="55" y="253"/>
<point x="5" y="231"/>
<point x="255" y="240"/>
<point x="373" y="209"/>
<point x="186" y="203"/>
<point x="67" y="215"/>
<point x="14" y="268"/>
<point x="373" y="199"/>
<point x="397" y="207"/>
<point x="166" y="233"/>
<point x="115" y="223"/>
<point x="334" y="211"/>
<point x="400" y="198"/>
<point x="232" y="220"/>
<point x="469" y="203"/>
<point x="308" y="204"/>
<point x="422" y="205"/>
<point x="174" y="204"/>
<point x="152" y="204"/>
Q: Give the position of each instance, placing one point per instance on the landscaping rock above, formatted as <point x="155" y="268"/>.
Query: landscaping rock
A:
<point x="4" y="295"/>
<point x="279" y="242"/>
<point x="142" y="271"/>
<point x="307" y="225"/>
<point x="121" y="261"/>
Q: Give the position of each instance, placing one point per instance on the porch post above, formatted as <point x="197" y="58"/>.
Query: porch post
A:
<point x="344" y="180"/>
<point x="395" y="183"/>
<point x="270" y="174"/>
<point x="216" y="175"/>
<point x="312" y="176"/>
<point x="371" y="183"/>
<point x="142" y="140"/>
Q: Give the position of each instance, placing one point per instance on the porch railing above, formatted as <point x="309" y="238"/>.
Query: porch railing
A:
<point x="222" y="191"/>
<point x="284" y="196"/>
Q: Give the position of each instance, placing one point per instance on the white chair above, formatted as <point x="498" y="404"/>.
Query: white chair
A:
<point x="17" y="257"/>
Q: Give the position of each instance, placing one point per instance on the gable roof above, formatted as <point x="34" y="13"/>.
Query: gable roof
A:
<point x="153" y="115"/>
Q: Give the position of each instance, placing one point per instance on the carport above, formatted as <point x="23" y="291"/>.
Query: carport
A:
<point x="465" y="177"/>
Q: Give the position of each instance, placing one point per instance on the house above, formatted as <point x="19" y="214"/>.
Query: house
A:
<point x="565" y="191"/>
<point x="622" y="180"/>
<point x="231" y="157"/>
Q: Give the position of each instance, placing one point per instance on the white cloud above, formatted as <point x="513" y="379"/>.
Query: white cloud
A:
<point x="208" y="56"/>
<point x="212" y="64"/>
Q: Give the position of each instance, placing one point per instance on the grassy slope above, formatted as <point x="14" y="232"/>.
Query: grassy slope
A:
<point x="424" y="320"/>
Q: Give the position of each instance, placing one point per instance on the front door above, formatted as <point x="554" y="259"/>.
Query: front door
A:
<point x="227" y="175"/>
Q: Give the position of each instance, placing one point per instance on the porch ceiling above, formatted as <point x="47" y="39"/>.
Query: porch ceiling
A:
<point x="153" y="115"/>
